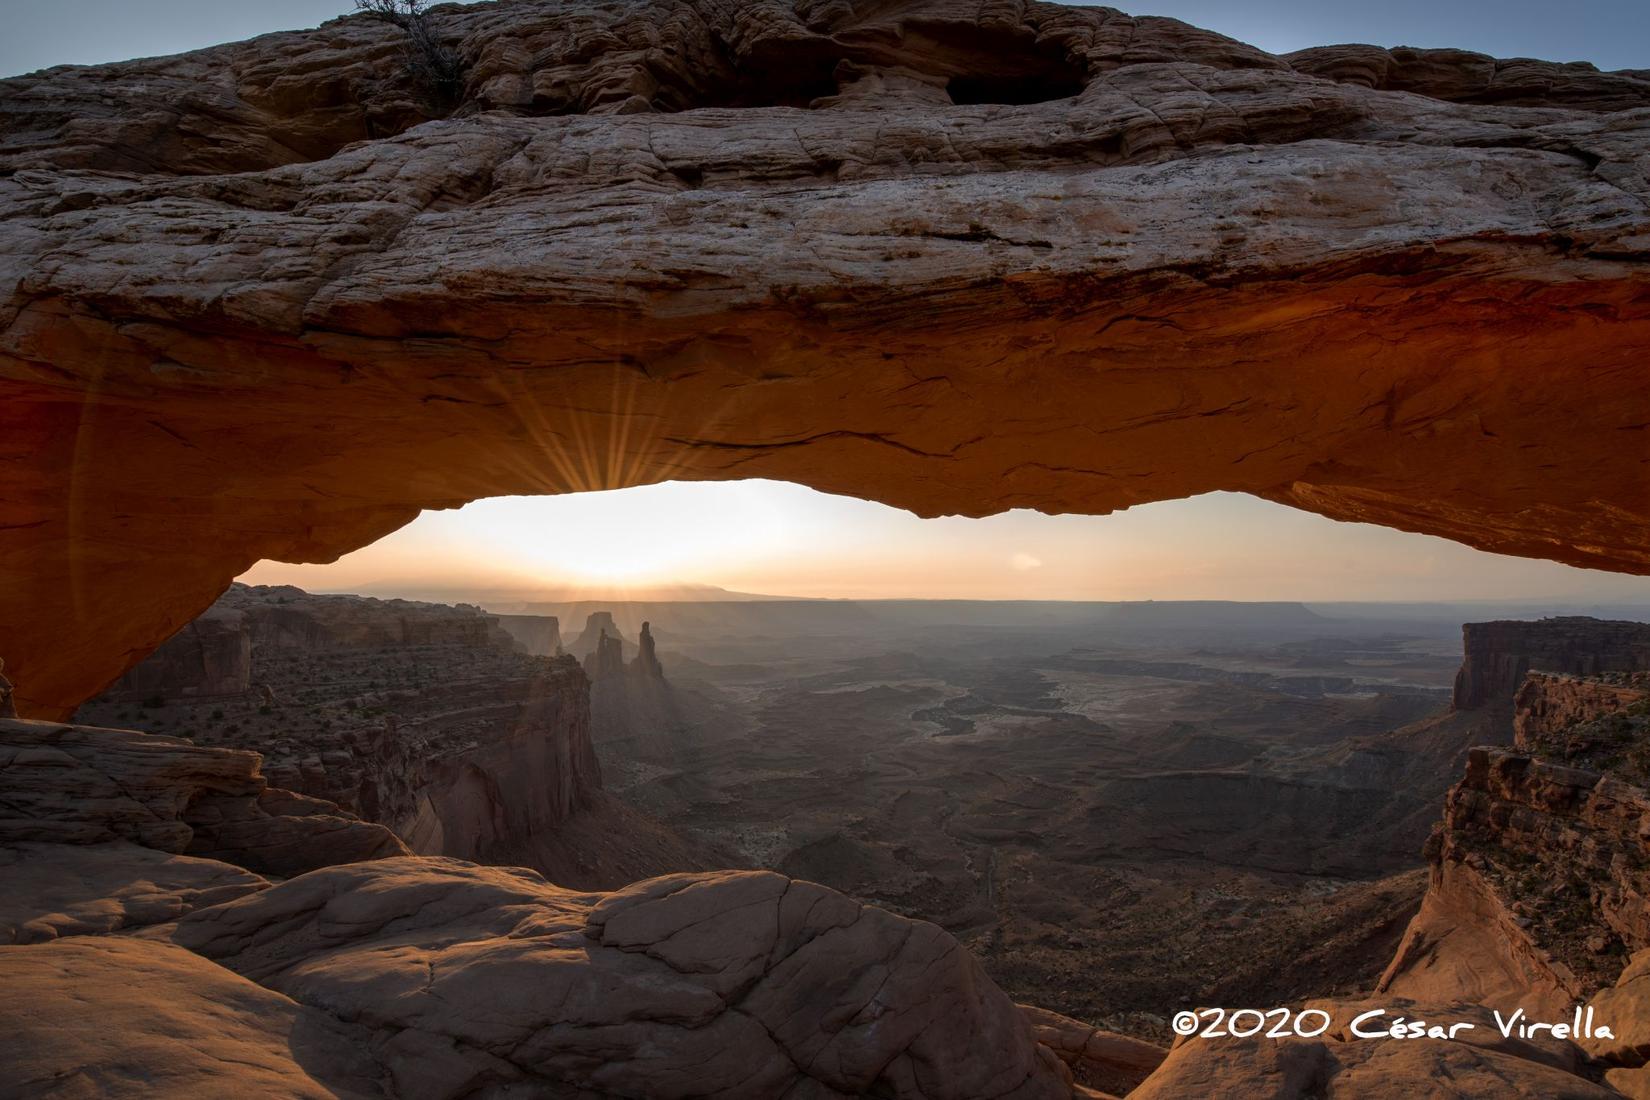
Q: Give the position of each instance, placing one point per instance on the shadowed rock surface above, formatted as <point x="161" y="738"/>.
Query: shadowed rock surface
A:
<point x="54" y="890"/>
<point x="1499" y="654"/>
<point x="116" y="1017"/>
<point x="84" y="785"/>
<point x="956" y="257"/>
<point x="730" y="984"/>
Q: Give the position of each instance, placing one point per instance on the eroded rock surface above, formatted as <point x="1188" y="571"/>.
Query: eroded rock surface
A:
<point x="54" y="890"/>
<point x="63" y="784"/>
<point x="108" y="1016"/>
<point x="1341" y="1066"/>
<point x="1099" y="1059"/>
<point x="956" y="257"/>
<point x="1498" y="655"/>
<point x="732" y="984"/>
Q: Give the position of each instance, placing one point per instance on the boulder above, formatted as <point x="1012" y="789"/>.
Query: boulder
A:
<point x="734" y="984"/>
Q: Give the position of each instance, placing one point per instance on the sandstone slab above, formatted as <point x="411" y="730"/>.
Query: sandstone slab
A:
<point x="114" y="1017"/>
<point x="259" y="301"/>
<point x="732" y="984"/>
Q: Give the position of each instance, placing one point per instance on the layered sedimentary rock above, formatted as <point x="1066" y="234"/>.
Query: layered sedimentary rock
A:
<point x="54" y="890"/>
<point x="427" y="718"/>
<point x="260" y="303"/>
<point x="1499" y="654"/>
<point x="1477" y="1062"/>
<point x="1601" y="724"/>
<point x="1098" y="1059"/>
<point x="83" y="785"/>
<point x="1540" y="887"/>
<point x="283" y="617"/>
<point x="211" y="656"/>
<point x="539" y="635"/>
<point x="480" y="799"/>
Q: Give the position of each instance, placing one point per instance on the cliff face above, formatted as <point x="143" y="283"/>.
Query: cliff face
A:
<point x="211" y="656"/>
<point x="82" y="785"/>
<point x="425" y="718"/>
<point x="1498" y="654"/>
<point x="958" y="258"/>
<point x="1541" y="870"/>
<point x="482" y="799"/>
<point x="278" y="618"/>
<point x="1598" y="724"/>
<point x="539" y="635"/>
<point x="1540" y="887"/>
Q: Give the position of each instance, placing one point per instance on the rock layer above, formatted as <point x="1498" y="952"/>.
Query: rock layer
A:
<point x="1499" y="654"/>
<point x="83" y="785"/>
<point x="1540" y="887"/>
<point x="259" y="303"/>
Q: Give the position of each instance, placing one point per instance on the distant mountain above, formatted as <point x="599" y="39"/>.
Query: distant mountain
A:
<point x="1205" y="614"/>
<point x="523" y="600"/>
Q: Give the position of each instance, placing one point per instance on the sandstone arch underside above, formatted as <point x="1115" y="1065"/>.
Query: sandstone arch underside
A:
<point x="260" y="302"/>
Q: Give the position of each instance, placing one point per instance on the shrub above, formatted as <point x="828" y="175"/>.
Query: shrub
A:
<point x="432" y="66"/>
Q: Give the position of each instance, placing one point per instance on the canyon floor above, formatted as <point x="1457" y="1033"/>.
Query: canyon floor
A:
<point x="1220" y="816"/>
<point x="1225" y="806"/>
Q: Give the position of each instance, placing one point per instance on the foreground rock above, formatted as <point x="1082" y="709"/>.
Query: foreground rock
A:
<point x="117" y="1017"/>
<point x="957" y="258"/>
<point x="62" y="784"/>
<point x="1339" y="1066"/>
<point x="733" y="984"/>
<point x="54" y="890"/>
<point x="1098" y="1059"/>
<point x="1540" y="887"/>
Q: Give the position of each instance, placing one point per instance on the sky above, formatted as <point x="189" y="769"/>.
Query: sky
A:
<point x="783" y="539"/>
<point x="1613" y="34"/>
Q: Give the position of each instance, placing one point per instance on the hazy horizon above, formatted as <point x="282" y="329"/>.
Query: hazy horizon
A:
<point x="778" y="539"/>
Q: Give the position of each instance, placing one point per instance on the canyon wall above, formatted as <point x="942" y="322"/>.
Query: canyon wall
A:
<point x="210" y="656"/>
<point x="426" y="718"/>
<point x="83" y="785"/>
<point x="1498" y="654"/>
<point x="260" y="303"/>
<point x="1540" y="886"/>
<point x="539" y="635"/>
<point x="483" y="799"/>
<point x="1559" y="714"/>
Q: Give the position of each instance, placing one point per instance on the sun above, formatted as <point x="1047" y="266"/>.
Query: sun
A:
<point x="669" y="532"/>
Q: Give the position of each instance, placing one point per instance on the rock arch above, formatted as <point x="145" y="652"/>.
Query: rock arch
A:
<point x="1404" y="287"/>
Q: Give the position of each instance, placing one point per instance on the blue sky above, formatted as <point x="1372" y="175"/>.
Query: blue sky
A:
<point x="1613" y="34"/>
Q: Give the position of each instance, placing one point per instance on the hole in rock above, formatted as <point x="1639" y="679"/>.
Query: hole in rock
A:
<point x="1041" y="732"/>
<point x="1014" y="89"/>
